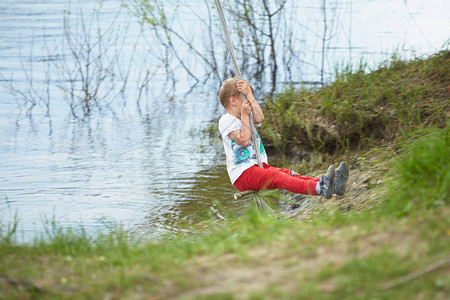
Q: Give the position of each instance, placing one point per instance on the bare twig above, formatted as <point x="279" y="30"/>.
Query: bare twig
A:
<point x="217" y="213"/>
<point x="416" y="274"/>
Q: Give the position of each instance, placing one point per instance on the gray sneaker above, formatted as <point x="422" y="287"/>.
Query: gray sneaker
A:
<point x="326" y="183"/>
<point x="340" y="179"/>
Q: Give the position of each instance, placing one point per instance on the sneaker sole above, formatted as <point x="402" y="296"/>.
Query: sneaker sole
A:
<point x="330" y="175"/>
<point x="342" y="171"/>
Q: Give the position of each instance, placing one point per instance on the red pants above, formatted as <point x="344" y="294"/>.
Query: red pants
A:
<point x="268" y="177"/>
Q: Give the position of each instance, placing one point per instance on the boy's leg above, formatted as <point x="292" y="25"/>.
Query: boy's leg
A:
<point x="295" y="174"/>
<point x="328" y="182"/>
<point x="269" y="177"/>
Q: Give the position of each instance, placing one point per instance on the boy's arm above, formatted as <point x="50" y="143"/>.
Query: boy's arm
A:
<point x="258" y="115"/>
<point x="243" y="136"/>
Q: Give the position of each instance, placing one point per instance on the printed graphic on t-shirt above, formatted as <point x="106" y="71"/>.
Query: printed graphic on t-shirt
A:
<point x="242" y="155"/>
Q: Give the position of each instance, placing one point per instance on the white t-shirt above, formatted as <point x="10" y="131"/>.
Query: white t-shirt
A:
<point x="238" y="158"/>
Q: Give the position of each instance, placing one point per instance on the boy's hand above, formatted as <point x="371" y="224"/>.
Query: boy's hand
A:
<point x="246" y="108"/>
<point x="244" y="88"/>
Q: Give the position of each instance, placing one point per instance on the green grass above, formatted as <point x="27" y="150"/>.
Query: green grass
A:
<point x="347" y="260"/>
<point x="422" y="175"/>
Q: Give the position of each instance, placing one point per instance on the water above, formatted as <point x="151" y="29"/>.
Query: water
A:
<point x="148" y="167"/>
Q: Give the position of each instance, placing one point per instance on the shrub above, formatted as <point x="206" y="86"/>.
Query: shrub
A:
<point x="421" y="178"/>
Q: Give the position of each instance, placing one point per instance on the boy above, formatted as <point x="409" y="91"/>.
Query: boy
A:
<point x="242" y="165"/>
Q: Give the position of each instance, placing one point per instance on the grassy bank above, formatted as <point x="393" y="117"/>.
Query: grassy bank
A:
<point x="360" y="110"/>
<point x="390" y="244"/>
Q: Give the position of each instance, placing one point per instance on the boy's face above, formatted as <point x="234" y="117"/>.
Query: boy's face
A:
<point x="236" y="101"/>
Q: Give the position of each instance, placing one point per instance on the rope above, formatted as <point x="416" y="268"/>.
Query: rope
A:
<point x="254" y="136"/>
<point x="260" y="203"/>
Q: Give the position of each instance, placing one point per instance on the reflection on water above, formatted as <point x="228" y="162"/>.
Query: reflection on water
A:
<point x="132" y="170"/>
<point x="146" y="169"/>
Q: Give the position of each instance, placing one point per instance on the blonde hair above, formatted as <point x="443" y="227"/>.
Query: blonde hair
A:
<point x="229" y="89"/>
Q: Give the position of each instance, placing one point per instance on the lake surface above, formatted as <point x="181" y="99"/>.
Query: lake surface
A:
<point x="148" y="167"/>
